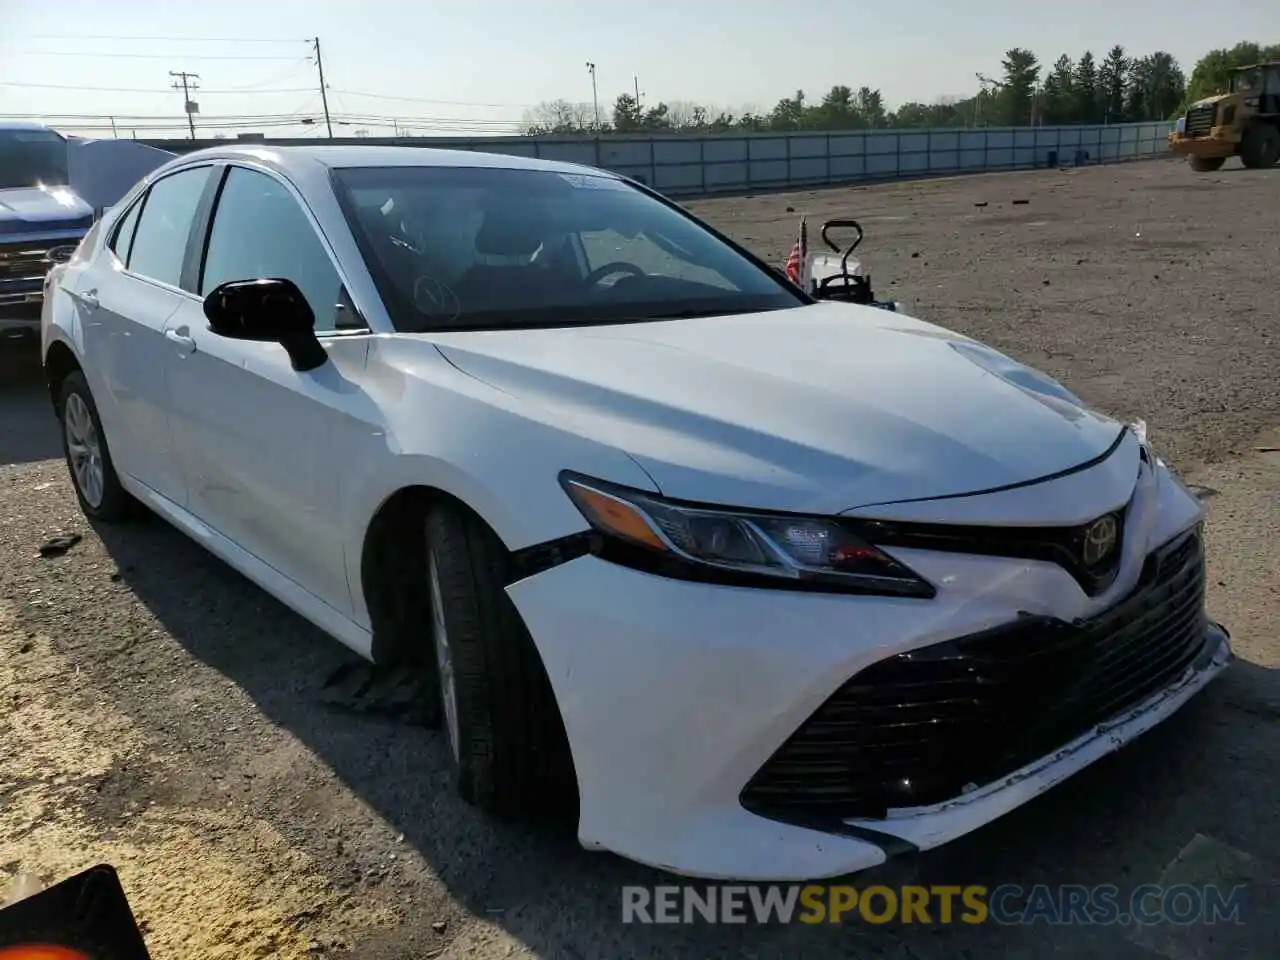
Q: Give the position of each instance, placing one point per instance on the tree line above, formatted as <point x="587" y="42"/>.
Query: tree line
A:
<point x="1117" y="88"/>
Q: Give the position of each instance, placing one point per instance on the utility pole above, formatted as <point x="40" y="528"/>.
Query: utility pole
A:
<point x="324" y="96"/>
<point x="637" y="80"/>
<point x="595" y="96"/>
<point x="186" y="82"/>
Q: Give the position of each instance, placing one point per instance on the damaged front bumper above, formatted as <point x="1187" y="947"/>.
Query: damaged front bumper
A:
<point x="923" y="828"/>
<point x="677" y="695"/>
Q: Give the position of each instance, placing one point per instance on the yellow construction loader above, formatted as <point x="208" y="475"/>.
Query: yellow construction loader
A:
<point x="1244" y="122"/>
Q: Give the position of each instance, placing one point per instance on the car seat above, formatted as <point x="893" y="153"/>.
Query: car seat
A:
<point x="516" y="264"/>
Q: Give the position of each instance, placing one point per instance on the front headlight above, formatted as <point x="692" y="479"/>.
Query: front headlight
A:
<point x="736" y="547"/>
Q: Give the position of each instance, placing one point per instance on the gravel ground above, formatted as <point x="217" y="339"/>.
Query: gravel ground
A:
<point x="160" y="713"/>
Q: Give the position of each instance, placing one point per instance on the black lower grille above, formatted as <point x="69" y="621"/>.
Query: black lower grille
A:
<point x="922" y="727"/>
<point x="1200" y="120"/>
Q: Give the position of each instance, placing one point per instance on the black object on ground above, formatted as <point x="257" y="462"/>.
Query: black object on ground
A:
<point x="403" y="692"/>
<point x="59" y="545"/>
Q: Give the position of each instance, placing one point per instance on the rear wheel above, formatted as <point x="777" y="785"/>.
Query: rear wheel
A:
<point x="505" y="733"/>
<point x="1207" y="164"/>
<point x="88" y="458"/>
<point x="1260" y="147"/>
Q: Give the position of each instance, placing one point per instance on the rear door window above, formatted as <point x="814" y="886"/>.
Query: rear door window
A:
<point x="160" y="238"/>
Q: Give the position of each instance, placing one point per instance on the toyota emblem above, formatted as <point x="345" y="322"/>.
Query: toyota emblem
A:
<point x="1100" y="540"/>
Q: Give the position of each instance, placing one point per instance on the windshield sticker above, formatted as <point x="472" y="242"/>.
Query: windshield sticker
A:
<point x="586" y="181"/>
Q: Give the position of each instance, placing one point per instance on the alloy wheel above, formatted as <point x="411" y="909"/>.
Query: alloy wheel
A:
<point x="84" y="450"/>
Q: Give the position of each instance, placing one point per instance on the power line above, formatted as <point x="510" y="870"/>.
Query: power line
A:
<point x="228" y="90"/>
<point x="186" y="79"/>
<point x="165" y="128"/>
<point x="144" y="117"/>
<point x="144" y="56"/>
<point x="382" y="119"/>
<point x="274" y="79"/>
<point x="251" y="119"/>
<point x="251" y="90"/>
<point x="180" y="125"/>
<point x="451" y="103"/>
<point x="175" y="39"/>
<point x="211" y="119"/>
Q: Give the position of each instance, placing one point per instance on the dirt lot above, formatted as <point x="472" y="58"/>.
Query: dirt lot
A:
<point x="160" y="713"/>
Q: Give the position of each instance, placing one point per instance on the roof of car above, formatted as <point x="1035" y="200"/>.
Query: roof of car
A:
<point x="21" y="125"/>
<point x="387" y="156"/>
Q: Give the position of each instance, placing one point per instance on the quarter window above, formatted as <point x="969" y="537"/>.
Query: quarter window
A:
<point x="124" y="233"/>
<point x="260" y="230"/>
<point x="160" y="237"/>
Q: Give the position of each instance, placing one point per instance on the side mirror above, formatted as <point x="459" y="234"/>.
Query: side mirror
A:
<point x="267" y="311"/>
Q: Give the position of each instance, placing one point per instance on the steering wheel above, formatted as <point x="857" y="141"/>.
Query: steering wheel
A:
<point x="435" y="298"/>
<point x="608" y="269"/>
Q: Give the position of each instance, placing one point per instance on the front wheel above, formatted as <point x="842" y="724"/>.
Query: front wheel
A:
<point x="88" y="458"/>
<point x="1207" y="164"/>
<point x="505" y="734"/>
<point x="1260" y="147"/>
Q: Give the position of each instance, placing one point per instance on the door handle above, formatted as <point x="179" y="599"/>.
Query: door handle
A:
<point x="90" y="299"/>
<point x="184" y="343"/>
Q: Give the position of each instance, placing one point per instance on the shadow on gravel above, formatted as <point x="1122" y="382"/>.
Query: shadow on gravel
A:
<point x="1212" y="770"/>
<point x="28" y="430"/>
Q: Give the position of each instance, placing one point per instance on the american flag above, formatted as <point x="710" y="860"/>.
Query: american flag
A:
<point x="799" y="252"/>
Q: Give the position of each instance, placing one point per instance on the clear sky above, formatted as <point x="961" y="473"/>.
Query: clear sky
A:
<point x="479" y="65"/>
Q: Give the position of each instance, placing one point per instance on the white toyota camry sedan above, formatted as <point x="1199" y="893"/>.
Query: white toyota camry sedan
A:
<point x="770" y="587"/>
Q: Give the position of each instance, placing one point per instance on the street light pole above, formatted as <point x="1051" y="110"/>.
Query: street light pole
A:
<point x="595" y="96"/>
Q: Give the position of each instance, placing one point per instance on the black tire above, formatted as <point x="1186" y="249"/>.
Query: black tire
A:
<point x="512" y="758"/>
<point x="1260" y="147"/>
<point x="115" y="503"/>
<point x="1207" y="164"/>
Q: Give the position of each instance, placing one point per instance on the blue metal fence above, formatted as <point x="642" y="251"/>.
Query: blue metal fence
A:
<point x="692" y="165"/>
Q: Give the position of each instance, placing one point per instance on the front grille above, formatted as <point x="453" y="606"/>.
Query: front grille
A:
<point x="923" y="727"/>
<point x="1200" y="120"/>
<point x="25" y="261"/>
<point x="1064" y="546"/>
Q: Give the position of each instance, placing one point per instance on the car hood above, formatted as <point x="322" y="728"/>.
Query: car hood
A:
<point x="821" y="408"/>
<point x="26" y="209"/>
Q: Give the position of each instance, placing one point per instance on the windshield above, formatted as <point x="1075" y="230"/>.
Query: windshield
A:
<point x="1245" y="80"/>
<point x="29" y="158"/>
<point x="472" y="248"/>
